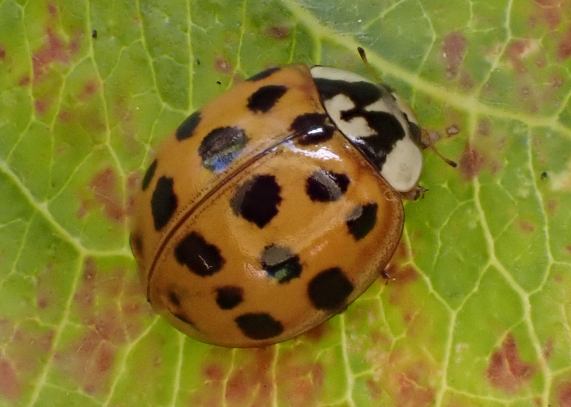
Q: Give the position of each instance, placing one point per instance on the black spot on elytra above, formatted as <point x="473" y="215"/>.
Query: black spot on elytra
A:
<point x="312" y="128"/>
<point x="326" y="186"/>
<point x="262" y="75"/>
<point x="259" y="325"/>
<point x="149" y="174"/>
<point x="199" y="256"/>
<point x="187" y="127"/>
<point x="174" y="299"/>
<point x="362" y="220"/>
<point x="163" y="202"/>
<point x="387" y="130"/>
<point x="280" y="263"/>
<point x="221" y="146"/>
<point x="229" y="296"/>
<point x="329" y="289"/>
<point x="265" y="98"/>
<point x="257" y="200"/>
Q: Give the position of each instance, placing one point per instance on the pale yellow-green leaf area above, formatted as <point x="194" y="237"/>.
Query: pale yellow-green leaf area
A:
<point x="477" y="307"/>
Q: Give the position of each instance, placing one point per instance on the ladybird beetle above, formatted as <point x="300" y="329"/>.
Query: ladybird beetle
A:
<point x="274" y="206"/>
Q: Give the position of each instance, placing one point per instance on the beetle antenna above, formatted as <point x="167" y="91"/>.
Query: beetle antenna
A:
<point x="371" y="70"/>
<point x="448" y="161"/>
<point x="428" y="142"/>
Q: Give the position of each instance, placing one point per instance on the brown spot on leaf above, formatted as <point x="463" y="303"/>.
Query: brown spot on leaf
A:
<point x="211" y="391"/>
<point x="466" y="81"/>
<point x="222" y="65"/>
<point x="516" y="51"/>
<point x="548" y="349"/>
<point x="300" y="381"/>
<point x="88" y="90"/>
<point x="214" y="372"/>
<point x="506" y="371"/>
<point x="552" y="206"/>
<point x="557" y="81"/>
<point x="88" y="361"/>
<point x="2" y="53"/>
<point x="52" y="9"/>
<point x="484" y="127"/>
<point x="411" y="393"/>
<point x="549" y="11"/>
<point x="564" y="47"/>
<point x="565" y="394"/>
<point x="41" y="106"/>
<point x="133" y="185"/>
<point x="278" y="32"/>
<point x="10" y="386"/>
<point x="254" y="374"/>
<point x="109" y="304"/>
<point x="471" y="162"/>
<point x="64" y="116"/>
<point x="402" y="253"/>
<point x="53" y="50"/>
<point x="453" y="51"/>
<point x="104" y="188"/>
<point x="375" y="389"/>
<point x="526" y="226"/>
<point x="452" y="130"/>
<point x="401" y="274"/>
<point x="24" y="80"/>
<point x="548" y="3"/>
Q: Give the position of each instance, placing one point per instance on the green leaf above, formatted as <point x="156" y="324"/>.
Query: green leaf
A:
<point x="478" y="310"/>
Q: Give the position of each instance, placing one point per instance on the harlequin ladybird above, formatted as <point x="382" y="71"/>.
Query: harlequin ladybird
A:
<point x="276" y="205"/>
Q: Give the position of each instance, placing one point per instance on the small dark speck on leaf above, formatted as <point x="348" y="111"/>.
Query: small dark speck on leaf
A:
<point x="197" y="61"/>
<point x="219" y="83"/>
<point x="94" y="34"/>
<point x="544" y="175"/>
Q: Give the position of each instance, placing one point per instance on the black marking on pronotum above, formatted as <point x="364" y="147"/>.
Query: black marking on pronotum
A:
<point x="387" y="130"/>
